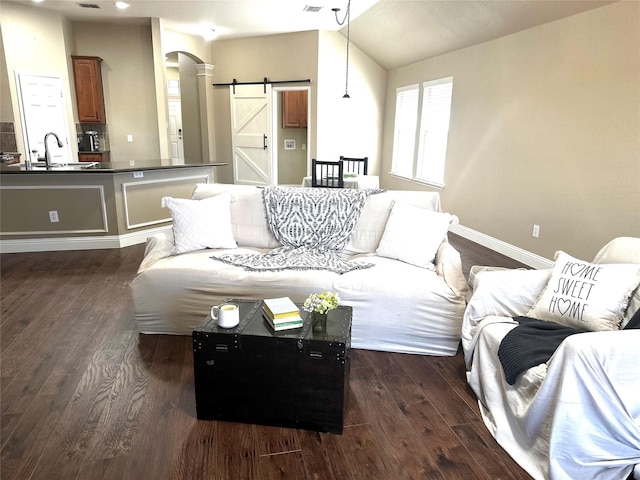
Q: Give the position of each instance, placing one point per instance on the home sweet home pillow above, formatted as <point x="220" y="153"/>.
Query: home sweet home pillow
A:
<point x="586" y="295"/>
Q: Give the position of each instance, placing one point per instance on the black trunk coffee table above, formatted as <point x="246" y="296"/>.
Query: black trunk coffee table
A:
<point x="291" y="378"/>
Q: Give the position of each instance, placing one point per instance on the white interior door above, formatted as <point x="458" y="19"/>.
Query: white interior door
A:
<point x="176" y="141"/>
<point x="43" y="110"/>
<point x="250" y="135"/>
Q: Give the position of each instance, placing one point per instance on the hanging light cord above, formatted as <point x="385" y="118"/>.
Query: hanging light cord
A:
<point x="347" y="18"/>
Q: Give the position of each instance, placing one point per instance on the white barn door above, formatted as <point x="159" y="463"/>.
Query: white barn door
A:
<point x="250" y="134"/>
<point x="43" y="110"/>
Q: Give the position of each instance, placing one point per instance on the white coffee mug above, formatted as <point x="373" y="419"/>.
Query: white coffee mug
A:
<point x="227" y="314"/>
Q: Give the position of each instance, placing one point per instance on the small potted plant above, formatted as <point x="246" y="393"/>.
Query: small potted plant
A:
<point x="319" y="305"/>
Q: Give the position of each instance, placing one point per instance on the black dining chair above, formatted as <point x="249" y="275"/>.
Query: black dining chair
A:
<point x="355" y="165"/>
<point x="327" y="174"/>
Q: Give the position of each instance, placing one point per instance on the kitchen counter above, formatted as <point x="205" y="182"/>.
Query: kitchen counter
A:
<point x="93" y="205"/>
<point x="101" y="167"/>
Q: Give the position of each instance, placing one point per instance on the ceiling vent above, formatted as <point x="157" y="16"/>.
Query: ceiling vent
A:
<point x="312" y="9"/>
<point x="89" y="5"/>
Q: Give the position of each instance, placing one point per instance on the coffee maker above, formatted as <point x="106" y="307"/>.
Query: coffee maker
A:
<point x="91" y="142"/>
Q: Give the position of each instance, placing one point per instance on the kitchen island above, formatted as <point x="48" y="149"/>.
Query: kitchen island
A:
<point x="90" y="206"/>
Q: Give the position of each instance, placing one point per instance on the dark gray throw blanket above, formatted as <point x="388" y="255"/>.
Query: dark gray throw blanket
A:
<point x="531" y="343"/>
<point x="313" y="225"/>
<point x="534" y="341"/>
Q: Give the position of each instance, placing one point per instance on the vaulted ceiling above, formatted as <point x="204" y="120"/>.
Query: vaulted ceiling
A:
<point x="392" y="32"/>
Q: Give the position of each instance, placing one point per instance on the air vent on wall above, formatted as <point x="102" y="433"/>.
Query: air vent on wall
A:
<point x="89" y="5"/>
<point x="312" y="9"/>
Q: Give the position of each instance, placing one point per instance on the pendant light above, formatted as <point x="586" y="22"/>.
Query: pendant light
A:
<point x="347" y="18"/>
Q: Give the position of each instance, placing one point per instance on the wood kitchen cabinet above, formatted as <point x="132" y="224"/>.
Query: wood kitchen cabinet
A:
<point x="91" y="157"/>
<point x="87" y="74"/>
<point x="294" y="109"/>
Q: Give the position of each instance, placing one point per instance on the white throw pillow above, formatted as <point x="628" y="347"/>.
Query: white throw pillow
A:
<point x="366" y="236"/>
<point x="584" y="295"/>
<point x="248" y="216"/>
<point x="200" y="224"/>
<point x="413" y="235"/>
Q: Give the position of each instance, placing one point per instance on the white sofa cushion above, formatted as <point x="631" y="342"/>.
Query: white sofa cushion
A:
<point x="413" y="235"/>
<point x="623" y="250"/>
<point x="416" y="313"/>
<point x="419" y="312"/>
<point x="248" y="218"/>
<point x="199" y="224"/>
<point x="365" y="238"/>
<point x="250" y="228"/>
<point x="586" y="295"/>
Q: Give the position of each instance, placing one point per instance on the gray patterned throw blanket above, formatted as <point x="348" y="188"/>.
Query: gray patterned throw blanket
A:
<point x="313" y="225"/>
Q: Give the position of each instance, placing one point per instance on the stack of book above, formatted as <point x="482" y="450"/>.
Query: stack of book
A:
<point x="281" y="313"/>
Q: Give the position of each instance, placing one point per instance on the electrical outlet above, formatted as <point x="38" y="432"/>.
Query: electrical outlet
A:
<point x="536" y="231"/>
<point x="53" y="216"/>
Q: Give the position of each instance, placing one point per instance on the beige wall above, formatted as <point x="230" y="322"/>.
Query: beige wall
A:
<point x="34" y="43"/>
<point x="336" y="126"/>
<point x="278" y="57"/>
<point x="199" y="132"/>
<point x="172" y="73"/>
<point x="545" y="125"/>
<point x="349" y="127"/>
<point x="545" y="129"/>
<point x="178" y="42"/>
<point x="130" y="99"/>
<point x="135" y="92"/>
<point x="190" y="103"/>
<point x="42" y="42"/>
<point x="6" y="103"/>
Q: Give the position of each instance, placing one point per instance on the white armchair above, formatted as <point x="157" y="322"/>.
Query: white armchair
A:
<point x="575" y="416"/>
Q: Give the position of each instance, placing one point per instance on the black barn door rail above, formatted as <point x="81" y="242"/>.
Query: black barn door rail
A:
<point x="263" y="82"/>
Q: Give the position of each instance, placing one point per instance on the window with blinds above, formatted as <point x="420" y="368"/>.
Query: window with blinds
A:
<point x="434" y="130"/>
<point x="427" y="164"/>
<point x="404" y="134"/>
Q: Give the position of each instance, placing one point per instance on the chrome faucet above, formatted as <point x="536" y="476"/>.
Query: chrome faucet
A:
<point x="47" y="153"/>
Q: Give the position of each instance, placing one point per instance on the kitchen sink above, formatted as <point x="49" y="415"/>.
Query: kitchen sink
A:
<point x="59" y="166"/>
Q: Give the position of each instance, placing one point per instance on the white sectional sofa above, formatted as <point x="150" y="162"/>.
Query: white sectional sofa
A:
<point x="397" y="305"/>
<point x="576" y="415"/>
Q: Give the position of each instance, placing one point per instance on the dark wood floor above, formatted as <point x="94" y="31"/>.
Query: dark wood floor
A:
<point x="84" y="396"/>
<point x="473" y="254"/>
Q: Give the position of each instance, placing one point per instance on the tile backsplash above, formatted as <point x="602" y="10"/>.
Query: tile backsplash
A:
<point x="102" y="131"/>
<point x="7" y="137"/>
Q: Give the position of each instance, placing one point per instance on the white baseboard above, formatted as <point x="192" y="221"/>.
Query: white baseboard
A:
<point x="511" y="251"/>
<point x="78" y="243"/>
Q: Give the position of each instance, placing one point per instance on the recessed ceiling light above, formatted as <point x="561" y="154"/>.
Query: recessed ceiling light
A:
<point x="312" y="9"/>
<point x="38" y="1"/>
<point x="122" y="5"/>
